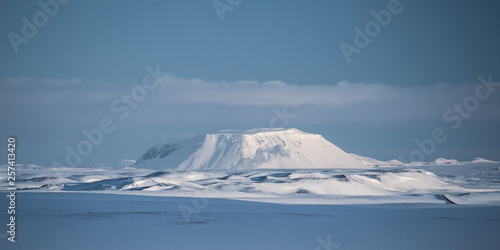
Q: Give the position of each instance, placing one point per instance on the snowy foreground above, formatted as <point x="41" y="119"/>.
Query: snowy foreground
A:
<point x="106" y="221"/>
<point x="425" y="206"/>
<point x="475" y="183"/>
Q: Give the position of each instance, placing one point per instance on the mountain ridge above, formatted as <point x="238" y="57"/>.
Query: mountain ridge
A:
<point x="259" y="148"/>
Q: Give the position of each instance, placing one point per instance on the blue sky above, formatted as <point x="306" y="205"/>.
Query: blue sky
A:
<point x="233" y="73"/>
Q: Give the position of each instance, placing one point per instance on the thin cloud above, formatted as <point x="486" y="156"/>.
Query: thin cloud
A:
<point x="67" y="100"/>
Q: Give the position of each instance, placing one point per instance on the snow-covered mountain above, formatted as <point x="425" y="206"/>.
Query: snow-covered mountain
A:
<point x="370" y="162"/>
<point x="250" y="149"/>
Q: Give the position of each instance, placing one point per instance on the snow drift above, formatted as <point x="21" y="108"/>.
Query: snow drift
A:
<point x="460" y="184"/>
<point x="250" y="149"/>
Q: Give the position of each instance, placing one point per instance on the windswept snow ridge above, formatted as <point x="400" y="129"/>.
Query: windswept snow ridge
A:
<point x="462" y="184"/>
<point x="250" y="149"/>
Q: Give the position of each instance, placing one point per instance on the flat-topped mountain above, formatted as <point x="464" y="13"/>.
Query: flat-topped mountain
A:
<point x="250" y="149"/>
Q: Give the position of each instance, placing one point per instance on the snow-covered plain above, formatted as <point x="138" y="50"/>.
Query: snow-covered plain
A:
<point x="49" y="220"/>
<point x="466" y="183"/>
<point x="403" y="207"/>
<point x="233" y="190"/>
